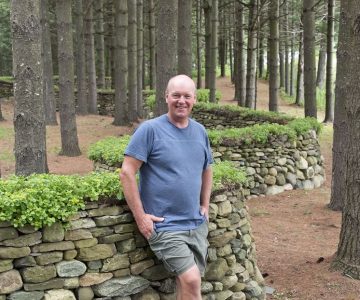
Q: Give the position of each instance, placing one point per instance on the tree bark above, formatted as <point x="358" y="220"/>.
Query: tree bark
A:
<point x="166" y="49"/>
<point x="198" y="46"/>
<point x="80" y="59"/>
<point x="90" y="57"/>
<point x="251" y="56"/>
<point x="29" y="117"/>
<point x="48" y="84"/>
<point x="69" y="138"/>
<point x="184" y="37"/>
<point x="152" y="64"/>
<point x="309" y="59"/>
<point x="240" y="77"/>
<point x="329" y="111"/>
<point x="273" y="55"/>
<point x="214" y="50"/>
<point x="140" y="57"/>
<point x="286" y="48"/>
<point x="207" y="16"/>
<point x="342" y="93"/>
<point x="320" y="76"/>
<point x="132" y="61"/>
<point x="100" y="43"/>
<point x="347" y="258"/>
<point x="222" y="42"/>
<point x="121" y="63"/>
<point x="300" y="72"/>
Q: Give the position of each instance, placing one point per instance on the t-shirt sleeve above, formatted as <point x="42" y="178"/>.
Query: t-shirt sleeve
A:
<point x="208" y="159"/>
<point x="141" y="143"/>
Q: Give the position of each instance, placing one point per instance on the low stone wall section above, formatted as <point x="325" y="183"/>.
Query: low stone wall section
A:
<point x="102" y="255"/>
<point x="279" y="165"/>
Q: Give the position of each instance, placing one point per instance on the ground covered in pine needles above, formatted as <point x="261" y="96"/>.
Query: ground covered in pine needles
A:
<point x="296" y="234"/>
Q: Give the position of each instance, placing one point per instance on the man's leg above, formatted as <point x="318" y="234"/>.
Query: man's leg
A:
<point x="188" y="284"/>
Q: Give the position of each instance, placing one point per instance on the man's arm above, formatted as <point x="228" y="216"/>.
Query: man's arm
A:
<point x="206" y="191"/>
<point x="145" y="222"/>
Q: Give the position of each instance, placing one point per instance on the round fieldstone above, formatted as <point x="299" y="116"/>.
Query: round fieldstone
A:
<point x="70" y="268"/>
<point x="60" y="294"/>
<point x="10" y="281"/>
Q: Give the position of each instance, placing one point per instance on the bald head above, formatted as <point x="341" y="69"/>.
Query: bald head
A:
<point x="181" y="81"/>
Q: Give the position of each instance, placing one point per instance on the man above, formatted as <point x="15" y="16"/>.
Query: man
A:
<point x="173" y="155"/>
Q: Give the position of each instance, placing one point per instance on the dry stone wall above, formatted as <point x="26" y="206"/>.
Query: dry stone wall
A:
<point x="279" y="165"/>
<point x="103" y="256"/>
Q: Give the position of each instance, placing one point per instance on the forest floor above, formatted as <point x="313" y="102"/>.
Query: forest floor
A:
<point x="296" y="235"/>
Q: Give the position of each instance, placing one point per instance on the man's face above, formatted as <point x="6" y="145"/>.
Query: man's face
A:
<point x="180" y="98"/>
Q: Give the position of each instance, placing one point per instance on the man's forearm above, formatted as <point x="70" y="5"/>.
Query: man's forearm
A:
<point x="206" y="187"/>
<point x="132" y="195"/>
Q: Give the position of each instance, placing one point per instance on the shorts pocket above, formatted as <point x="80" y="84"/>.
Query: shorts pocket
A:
<point x="152" y="236"/>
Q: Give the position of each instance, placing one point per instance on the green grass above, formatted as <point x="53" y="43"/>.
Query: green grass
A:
<point x="320" y="98"/>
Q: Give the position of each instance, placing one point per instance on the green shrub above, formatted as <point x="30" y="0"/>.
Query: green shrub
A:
<point x="150" y="102"/>
<point x="109" y="150"/>
<point x="261" y="133"/>
<point x="43" y="199"/>
<point x="225" y="173"/>
<point x="254" y="134"/>
<point x="203" y="95"/>
<point x="244" y="113"/>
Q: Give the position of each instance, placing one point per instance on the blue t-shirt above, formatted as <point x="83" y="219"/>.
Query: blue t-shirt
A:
<point x="171" y="175"/>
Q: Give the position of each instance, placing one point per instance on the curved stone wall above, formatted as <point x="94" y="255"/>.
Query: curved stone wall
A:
<point x="103" y="256"/>
<point x="278" y="165"/>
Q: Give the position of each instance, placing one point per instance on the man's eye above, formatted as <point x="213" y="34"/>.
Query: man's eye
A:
<point x="176" y="96"/>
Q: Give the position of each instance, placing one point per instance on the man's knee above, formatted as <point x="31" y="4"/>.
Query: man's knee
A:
<point x="191" y="278"/>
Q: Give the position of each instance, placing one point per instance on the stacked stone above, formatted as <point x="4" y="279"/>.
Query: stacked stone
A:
<point x="279" y="165"/>
<point x="102" y="167"/>
<point x="103" y="255"/>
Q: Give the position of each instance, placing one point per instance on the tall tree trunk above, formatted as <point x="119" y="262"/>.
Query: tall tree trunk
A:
<point x="121" y="63"/>
<point x="166" y="49"/>
<point x="261" y="54"/>
<point x="90" y="57"/>
<point x="109" y="40"/>
<point x="292" y="51"/>
<point x="207" y="16"/>
<point x="69" y="138"/>
<point x="198" y="46"/>
<point x="309" y="59"/>
<point x="282" y="52"/>
<point x="251" y="56"/>
<point x="152" y="64"/>
<point x="320" y="77"/>
<point x="184" y="37"/>
<point x="140" y="57"/>
<point x="300" y="72"/>
<point x="48" y="84"/>
<point x="329" y="111"/>
<point x="132" y="60"/>
<point x="286" y="47"/>
<point x="29" y="117"/>
<point x="273" y="55"/>
<point x="222" y="42"/>
<point x="347" y="258"/>
<point x="80" y="59"/>
<point x="342" y="93"/>
<point x="100" y="43"/>
<point x="214" y="49"/>
<point x="240" y="77"/>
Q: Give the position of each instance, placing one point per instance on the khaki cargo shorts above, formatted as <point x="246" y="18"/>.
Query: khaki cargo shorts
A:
<point x="180" y="250"/>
